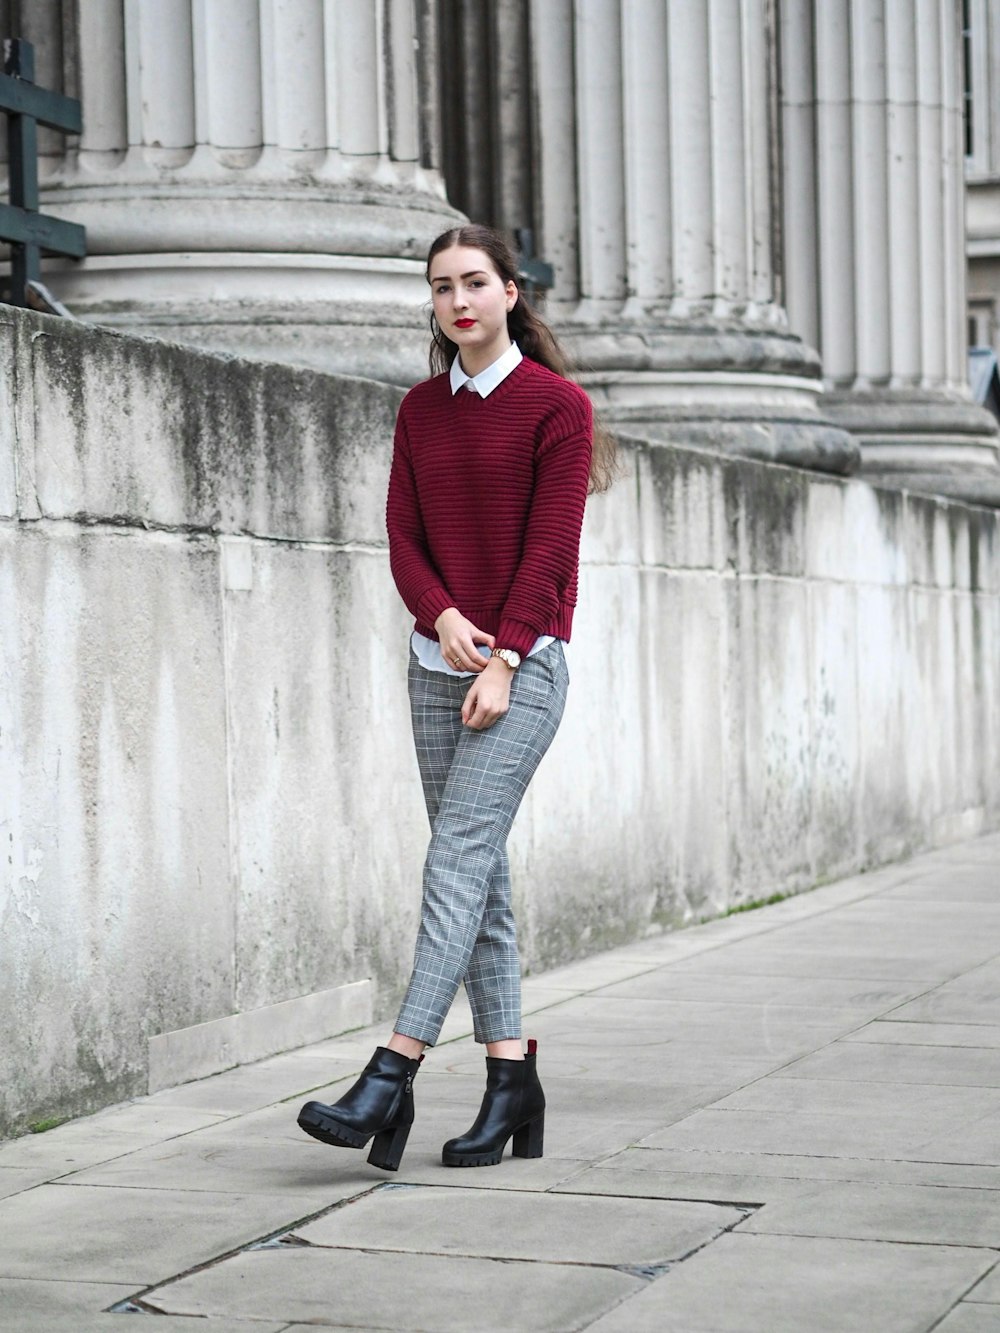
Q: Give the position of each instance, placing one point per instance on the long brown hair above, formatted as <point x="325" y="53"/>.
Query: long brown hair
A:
<point x="525" y="327"/>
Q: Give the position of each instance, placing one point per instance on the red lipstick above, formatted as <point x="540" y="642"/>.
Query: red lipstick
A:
<point x="464" y="323"/>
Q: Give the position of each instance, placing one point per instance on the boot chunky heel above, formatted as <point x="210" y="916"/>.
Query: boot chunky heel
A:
<point x="387" y="1148"/>
<point x="528" y="1139"/>
<point x="513" y="1107"/>
<point x="380" y="1103"/>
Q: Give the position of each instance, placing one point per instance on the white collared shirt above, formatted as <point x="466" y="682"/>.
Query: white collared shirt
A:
<point x="428" y="651"/>
<point x="489" y="379"/>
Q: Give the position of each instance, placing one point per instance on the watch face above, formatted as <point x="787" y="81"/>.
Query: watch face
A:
<point x="513" y="658"/>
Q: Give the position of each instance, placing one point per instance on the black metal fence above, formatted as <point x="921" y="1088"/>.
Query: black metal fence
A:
<point x="30" y="233"/>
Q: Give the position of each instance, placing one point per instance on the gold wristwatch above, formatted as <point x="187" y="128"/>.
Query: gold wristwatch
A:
<point x="508" y="656"/>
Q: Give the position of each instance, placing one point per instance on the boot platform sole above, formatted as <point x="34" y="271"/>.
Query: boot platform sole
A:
<point x="313" y="1120"/>
<point x="472" y="1159"/>
<point x="527" y="1142"/>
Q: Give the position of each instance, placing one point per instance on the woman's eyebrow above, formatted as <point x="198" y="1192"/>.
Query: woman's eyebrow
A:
<point x="475" y="273"/>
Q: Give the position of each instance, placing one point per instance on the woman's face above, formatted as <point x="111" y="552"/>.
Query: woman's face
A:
<point x="471" y="302"/>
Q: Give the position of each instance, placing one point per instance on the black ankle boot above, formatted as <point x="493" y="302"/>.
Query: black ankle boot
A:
<point x="514" y="1104"/>
<point x="380" y="1103"/>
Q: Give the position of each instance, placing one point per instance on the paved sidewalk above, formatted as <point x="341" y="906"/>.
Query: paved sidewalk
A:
<point x="787" y="1120"/>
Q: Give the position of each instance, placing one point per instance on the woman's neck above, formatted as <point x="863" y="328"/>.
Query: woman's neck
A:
<point x="474" y="360"/>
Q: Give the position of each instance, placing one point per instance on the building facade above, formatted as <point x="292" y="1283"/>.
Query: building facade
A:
<point x="754" y="209"/>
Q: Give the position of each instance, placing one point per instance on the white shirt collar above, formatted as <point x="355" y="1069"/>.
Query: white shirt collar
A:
<point x="487" y="380"/>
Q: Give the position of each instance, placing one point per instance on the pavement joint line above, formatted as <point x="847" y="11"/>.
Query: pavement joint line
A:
<point x="978" y="1282"/>
<point x="846" y="1082"/>
<point x="284" y="1230"/>
<point x="650" y="1272"/>
<point x="813" y="1156"/>
<point x="813" y="1180"/>
<point x="963" y="1299"/>
<point x="506" y="1258"/>
<point x="285" y="1237"/>
<point x="887" y="1240"/>
<point x="748" y="1208"/>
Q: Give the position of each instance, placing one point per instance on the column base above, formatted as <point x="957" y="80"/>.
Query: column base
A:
<point x="740" y="389"/>
<point x="342" y="314"/>
<point x="324" y="275"/>
<point x="931" y="440"/>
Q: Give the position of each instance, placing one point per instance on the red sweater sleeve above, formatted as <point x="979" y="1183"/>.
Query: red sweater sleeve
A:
<point x="420" y="585"/>
<point x="550" y="554"/>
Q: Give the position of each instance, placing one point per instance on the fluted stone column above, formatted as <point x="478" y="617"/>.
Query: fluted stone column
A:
<point x="982" y="172"/>
<point x="874" y="233"/>
<point x="657" y="126"/>
<point x="258" y="175"/>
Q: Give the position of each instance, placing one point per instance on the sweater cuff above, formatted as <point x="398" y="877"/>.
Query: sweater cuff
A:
<point x="515" y="634"/>
<point x="431" y="603"/>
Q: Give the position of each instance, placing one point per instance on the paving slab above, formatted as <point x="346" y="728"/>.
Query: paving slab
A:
<point x="965" y="885"/>
<point x="751" y="1124"/>
<point x="26" y="1302"/>
<point x="988" y="1289"/>
<point x="112" y="1323"/>
<point x="98" y="1138"/>
<point x="589" y="975"/>
<point x="855" y="962"/>
<point x="977" y="851"/>
<point x="966" y="1318"/>
<point x="634" y="1014"/>
<point x="646" y="1182"/>
<point x="977" y="1142"/>
<point x="802" y="1168"/>
<point x="936" y="1105"/>
<point x="895" y="1135"/>
<point x="788" y="1284"/>
<point x="923" y="1214"/>
<point x="861" y="1062"/>
<point x="419" y="1292"/>
<point x="951" y="1006"/>
<point x="16" y="1179"/>
<point x="128" y="1235"/>
<point x="613" y="1232"/>
<point x="44" y="1306"/>
<point x="628" y="1098"/>
<point x="872" y="996"/>
<point x="900" y="1032"/>
<point x="423" y="1167"/>
<point x="255" y="1086"/>
<point x="986" y="976"/>
<point x="224" y="1166"/>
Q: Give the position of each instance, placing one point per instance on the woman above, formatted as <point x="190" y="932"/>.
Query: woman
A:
<point x="492" y="463"/>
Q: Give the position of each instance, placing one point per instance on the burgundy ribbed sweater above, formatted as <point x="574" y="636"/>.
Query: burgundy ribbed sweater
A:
<point x="486" y="500"/>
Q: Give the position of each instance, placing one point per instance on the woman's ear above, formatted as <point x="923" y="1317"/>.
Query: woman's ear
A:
<point x="511" y="296"/>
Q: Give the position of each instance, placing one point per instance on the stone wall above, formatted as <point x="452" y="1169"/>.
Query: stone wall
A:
<point x="211" y="816"/>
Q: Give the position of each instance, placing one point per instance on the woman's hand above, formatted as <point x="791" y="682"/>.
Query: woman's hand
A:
<point x="458" y="638"/>
<point x="488" y="697"/>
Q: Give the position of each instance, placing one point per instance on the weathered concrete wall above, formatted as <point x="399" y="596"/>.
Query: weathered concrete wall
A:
<point x="210" y="809"/>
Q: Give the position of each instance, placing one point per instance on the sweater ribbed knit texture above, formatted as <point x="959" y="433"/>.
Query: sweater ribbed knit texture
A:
<point x="486" y="501"/>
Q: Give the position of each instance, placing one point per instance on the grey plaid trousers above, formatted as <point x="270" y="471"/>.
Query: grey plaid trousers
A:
<point x="473" y="784"/>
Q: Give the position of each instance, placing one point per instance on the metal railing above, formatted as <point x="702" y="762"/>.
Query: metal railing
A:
<point x="29" y="232"/>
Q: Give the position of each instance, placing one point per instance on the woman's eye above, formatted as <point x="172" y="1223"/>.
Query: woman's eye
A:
<point x="440" y="291"/>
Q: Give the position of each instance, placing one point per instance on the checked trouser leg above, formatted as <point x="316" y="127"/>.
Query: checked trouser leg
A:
<point x="473" y="784"/>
